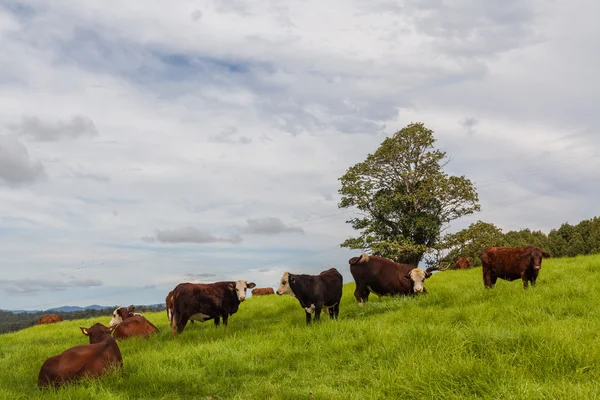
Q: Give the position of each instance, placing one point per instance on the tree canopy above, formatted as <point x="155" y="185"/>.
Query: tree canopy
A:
<point x="404" y="197"/>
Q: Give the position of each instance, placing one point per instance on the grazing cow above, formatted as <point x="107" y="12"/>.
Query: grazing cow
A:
<point x="262" y="291"/>
<point x="50" y="319"/>
<point x="94" y="359"/>
<point x="136" y="325"/>
<point x="384" y="277"/>
<point x="206" y="301"/>
<point x="315" y="292"/>
<point x="462" y="263"/>
<point x="511" y="263"/>
<point x="121" y="314"/>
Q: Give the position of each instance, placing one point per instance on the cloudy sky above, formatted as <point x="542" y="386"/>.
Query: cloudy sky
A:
<point x="145" y="143"/>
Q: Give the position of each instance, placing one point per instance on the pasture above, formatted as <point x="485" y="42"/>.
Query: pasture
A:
<point x="458" y="341"/>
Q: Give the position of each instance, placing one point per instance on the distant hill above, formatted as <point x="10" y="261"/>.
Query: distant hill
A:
<point x="68" y="309"/>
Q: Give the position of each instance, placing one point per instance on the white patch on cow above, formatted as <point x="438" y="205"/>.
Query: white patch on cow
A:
<point x="364" y="258"/>
<point x="418" y="277"/>
<point x="310" y="309"/>
<point x="116" y="319"/>
<point x="284" y="285"/>
<point x="199" y="317"/>
<point x="169" y="314"/>
<point x="240" y="289"/>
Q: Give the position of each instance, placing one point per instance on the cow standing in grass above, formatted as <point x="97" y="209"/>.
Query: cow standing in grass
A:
<point x="315" y="292"/>
<point x="511" y="263"/>
<point x="384" y="277"/>
<point x="462" y="263"/>
<point x="206" y="301"/>
<point x="93" y="360"/>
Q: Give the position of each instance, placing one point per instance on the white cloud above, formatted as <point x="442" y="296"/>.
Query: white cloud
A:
<point x="121" y="119"/>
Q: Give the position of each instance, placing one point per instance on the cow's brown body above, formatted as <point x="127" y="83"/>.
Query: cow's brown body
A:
<point x="262" y="291"/>
<point x="136" y="325"/>
<point x="511" y="263"/>
<point x="50" y="319"/>
<point x="93" y="360"/>
<point x="462" y="263"/>
<point x="384" y="277"/>
<point x="169" y="306"/>
<point x="206" y="301"/>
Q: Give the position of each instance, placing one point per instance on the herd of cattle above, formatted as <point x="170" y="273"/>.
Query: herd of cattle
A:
<point x="315" y="293"/>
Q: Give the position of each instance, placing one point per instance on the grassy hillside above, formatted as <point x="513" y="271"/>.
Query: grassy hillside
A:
<point x="458" y="341"/>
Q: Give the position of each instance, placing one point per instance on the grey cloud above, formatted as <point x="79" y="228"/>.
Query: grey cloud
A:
<point x="29" y="286"/>
<point x="469" y="124"/>
<point x="199" y="276"/>
<point x="43" y="131"/>
<point x="190" y="234"/>
<point x="227" y="135"/>
<point x="196" y="15"/>
<point x="81" y="174"/>
<point x="149" y="239"/>
<point x="268" y="226"/>
<point x="16" y="166"/>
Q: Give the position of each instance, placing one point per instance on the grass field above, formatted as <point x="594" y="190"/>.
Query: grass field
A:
<point x="458" y="341"/>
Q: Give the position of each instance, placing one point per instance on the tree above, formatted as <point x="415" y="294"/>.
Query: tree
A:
<point x="403" y="196"/>
<point x="469" y="242"/>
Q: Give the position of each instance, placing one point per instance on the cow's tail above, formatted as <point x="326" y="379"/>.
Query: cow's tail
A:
<point x="362" y="259"/>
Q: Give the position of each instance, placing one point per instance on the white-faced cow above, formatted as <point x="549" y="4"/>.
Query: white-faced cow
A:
<point x="121" y="314"/>
<point x="511" y="263"/>
<point x="92" y="360"/>
<point x="206" y="301"/>
<point x="314" y="292"/>
<point x="384" y="277"/>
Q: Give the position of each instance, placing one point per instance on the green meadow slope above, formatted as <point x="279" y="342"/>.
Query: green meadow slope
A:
<point x="459" y="341"/>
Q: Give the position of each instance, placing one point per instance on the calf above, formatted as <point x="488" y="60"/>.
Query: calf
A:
<point x="314" y="292"/>
<point x="462" y="263"/>
<point x="206" y="301"/>
<point x="136" y="325"/>
<point x="511" y="263"/>
<point x="93" y="360"/>
<point x="262" y="291"/>
<point x="121" y="314"/>
<point x="50" y="319"/>
<point x="384" y="277"/>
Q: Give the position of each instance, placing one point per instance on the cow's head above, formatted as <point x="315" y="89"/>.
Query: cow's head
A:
<point x="97" y="332"/>
<point x="418" y="276"/>
<point x="284" y="285"/>
<point x="120" y="314"/>
<point x="239" y="288"/>
<point x="534" y="256"/>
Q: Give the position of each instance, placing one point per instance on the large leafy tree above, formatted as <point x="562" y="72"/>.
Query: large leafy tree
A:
<point x="404" y="197"/>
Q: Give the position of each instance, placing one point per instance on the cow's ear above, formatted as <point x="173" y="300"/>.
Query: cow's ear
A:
<point x="131" y="308"/>
<point x="119" y="312"/>
<point x="292" y="280"/>
<point x="230" y="287"/>
<point x="427" y="274"/>
<point x="84" y="330"/>
<point x="546" y="254"/>
<point x="251" y="285"/>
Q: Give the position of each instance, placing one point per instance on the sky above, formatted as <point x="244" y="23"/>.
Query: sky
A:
<point x="147" y="143"/>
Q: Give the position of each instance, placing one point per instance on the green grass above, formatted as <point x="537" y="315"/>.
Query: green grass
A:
<point x="458" y="341"/>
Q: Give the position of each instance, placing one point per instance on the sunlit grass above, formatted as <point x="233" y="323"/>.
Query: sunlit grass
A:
<point x="456" y="342"/>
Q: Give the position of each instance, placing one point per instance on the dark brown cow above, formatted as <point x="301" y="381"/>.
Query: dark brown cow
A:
<point x="511" y="263"/>
<point x="462" y="263"/>
<point x="136" y="325"/>
<point x="384" y="277"/>
<point x="262" y="291"/>
<point x="315" y="291"/>
<point x="94" y="359"/>
<point x="50" y="319"/>
<point x="206" y="301"/>
<point x="169" y="306"/>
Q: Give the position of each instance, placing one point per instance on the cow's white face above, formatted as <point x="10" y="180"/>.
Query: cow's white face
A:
<point x="284" y="285"/>
<point x="417" y="275"/>
<point x="116" y="319"/>
<point x="240" y="289"/>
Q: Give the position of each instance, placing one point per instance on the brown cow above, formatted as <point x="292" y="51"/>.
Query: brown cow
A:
<point x="50" y="319"/>
<point x="136" y="325"/>
<point x="462" y="263"/>
<point x="169" y="306"/>
<point x="121" y="314"/>
<point x="511" y="263"/>
<point x="206" y="301"/>
<point x="94" y="359"/>
<point x="262" y="291"/>
<point x="384" y="277"/>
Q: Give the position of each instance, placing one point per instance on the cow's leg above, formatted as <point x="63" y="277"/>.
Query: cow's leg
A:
<point x="225" y="317"/>
<point x="308" y="317"/>
<point x="318" y="307"/>
<point x="179" y="324"/>
<point x="525" y="280"/>
<point x="335" y="310"/>
<point x="217" y="321"/>
<point x="487" y="278"/>
<point x="361" y="293"/>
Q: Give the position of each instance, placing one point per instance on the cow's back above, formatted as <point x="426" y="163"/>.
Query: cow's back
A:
<point x="135" y="326"/>
<point x="381" y="275"/>
<point x="208" y="299"/>
<point x="332" y="284"/>
<point x="503" y="262"/>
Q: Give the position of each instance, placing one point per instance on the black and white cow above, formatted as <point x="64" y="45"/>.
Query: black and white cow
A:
<point x="315" y="292"/>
